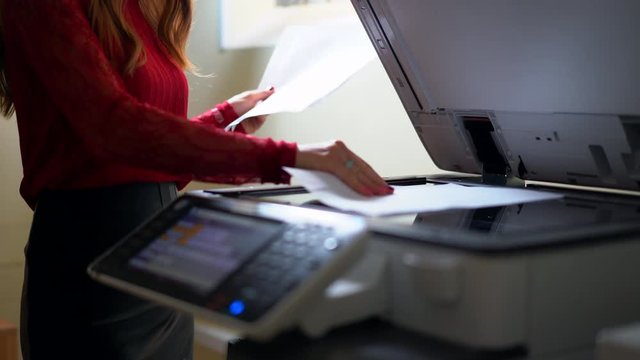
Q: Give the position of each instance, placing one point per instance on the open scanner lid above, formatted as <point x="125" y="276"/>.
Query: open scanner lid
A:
<point x="544" y="90"/>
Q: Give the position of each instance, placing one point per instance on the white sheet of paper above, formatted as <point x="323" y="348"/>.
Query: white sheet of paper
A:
<point x="310" y="62"/>
<point x="412" y="199"/>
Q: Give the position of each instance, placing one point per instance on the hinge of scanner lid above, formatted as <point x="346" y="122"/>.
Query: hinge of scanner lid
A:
<point x="495" y="168"/>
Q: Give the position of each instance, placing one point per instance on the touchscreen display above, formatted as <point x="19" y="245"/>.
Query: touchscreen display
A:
<point x="204" y="247"/>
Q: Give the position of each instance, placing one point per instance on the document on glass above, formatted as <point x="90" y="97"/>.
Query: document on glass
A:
<point x="329" y="190"/>
<point x="310" y="62"/>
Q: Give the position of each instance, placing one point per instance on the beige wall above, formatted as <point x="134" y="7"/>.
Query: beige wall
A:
<point x="15" y="218"/>
<point x="365" y="113"/>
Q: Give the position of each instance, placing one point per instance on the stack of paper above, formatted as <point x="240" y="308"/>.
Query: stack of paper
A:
<point x="412" y="199"/>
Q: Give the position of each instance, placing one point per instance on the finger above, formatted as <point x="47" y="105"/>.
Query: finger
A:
<point x="258" y="121"/>
<point x="361" y="178"/>
<point x="367" y="171"/>
<point x="253" y="124"/>
<point x="367" y="175"/>
<point x="353" y="181"/>
<point x="372" y="183"/>
<point x="336" y="162"/>
<point x="260" y="95"/>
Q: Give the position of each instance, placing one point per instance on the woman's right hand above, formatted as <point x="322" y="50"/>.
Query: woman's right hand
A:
<point x="246" y="101"/>
<point x="335" y="158"/>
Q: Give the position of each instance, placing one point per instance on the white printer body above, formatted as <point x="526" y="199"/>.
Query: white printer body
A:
<point x="514" y="91"/>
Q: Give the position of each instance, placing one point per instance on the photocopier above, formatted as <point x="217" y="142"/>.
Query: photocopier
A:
<point x="543" y="94"/>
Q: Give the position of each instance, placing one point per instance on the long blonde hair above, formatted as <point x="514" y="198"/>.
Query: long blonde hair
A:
<point x="171" y="20"/>
<point x="6" y="104"/>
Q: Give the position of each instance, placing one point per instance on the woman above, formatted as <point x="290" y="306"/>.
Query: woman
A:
<point x="101" y="102"/>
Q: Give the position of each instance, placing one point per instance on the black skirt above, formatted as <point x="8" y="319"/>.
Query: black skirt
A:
<point x="67" y="315"/>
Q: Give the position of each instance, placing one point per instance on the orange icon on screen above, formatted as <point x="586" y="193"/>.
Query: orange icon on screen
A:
<point x="186" y="233"/>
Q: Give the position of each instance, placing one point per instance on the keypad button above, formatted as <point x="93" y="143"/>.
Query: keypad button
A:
<point x="331" y="243"/>
<point x="299" y="252"/>
<point x="249" y="293"/>
<point x="289" y="250"/>
<point x="277" y="247"/>
<point x="289" y="236"/>
<point x="302" y="239"/>
<point x="314" y="264"/>
<point x="286" y="263"/>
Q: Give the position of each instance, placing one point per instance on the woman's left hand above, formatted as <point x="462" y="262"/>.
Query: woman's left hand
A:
<point x="246" y="101"/>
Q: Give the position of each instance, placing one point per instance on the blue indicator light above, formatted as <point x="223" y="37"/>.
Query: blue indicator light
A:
<point x="236" y="307"/>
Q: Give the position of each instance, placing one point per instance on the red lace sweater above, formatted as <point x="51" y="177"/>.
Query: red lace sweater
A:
<point x="83" y="124"/>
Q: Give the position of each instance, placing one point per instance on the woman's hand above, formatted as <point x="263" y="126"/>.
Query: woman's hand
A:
<point x="337" y="159"/>
<point x="246" y="101"/>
